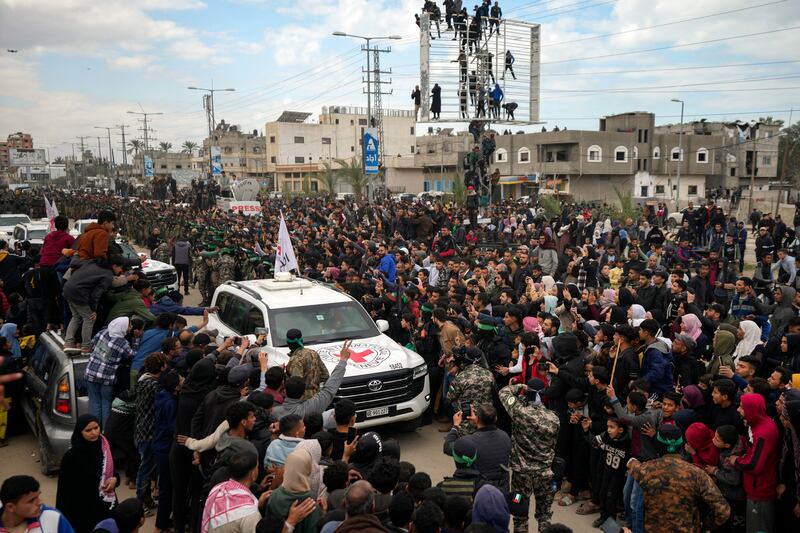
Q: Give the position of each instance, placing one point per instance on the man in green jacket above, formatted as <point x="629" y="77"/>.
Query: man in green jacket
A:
<point x="130" y="301"/>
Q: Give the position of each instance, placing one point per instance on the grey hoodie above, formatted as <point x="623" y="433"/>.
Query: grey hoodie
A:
<point x="180" y="252"/>
<point x="783" y="312"/>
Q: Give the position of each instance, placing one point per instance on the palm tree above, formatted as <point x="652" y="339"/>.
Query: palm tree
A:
<point x="329" y="179"/>
<point x="135" y="146"/>
<point x="165" y="146"/>
<point x="350" y="171"/>
<point x="307" y="185"/>
<point x="188" y="147"/>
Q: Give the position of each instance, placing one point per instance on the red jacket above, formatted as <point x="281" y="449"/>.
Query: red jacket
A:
<point x="54" y="242"/>
<point x="760" y="461"/>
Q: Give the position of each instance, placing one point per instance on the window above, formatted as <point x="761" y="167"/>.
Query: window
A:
<point x="500" y="156"/>
<point x="297" y="185"/>
<point x="635" y="152"/>
<point x="659" y="189"/>
<point x="656" y="153"/>
<point x="524" y="155"/>
<point x="326" y="140"/>
<point x="337" y="120"/>
<point x="766" y="160"/>
<point x="300" y="159"/>
<point x="733" y="172"/>
<point x="645" y="135"/>
<point x="178" y="167"/>
<point x="163" y="165"/>
<point x="702" y="155"/>
<point x="692" y="190"/>
<point x="272" y="139"/>
<point x="412" y="149"/>
<point x="272" y="159"/>
<point x="299" y="140"/>
<point x="314" y="186"/>
<point x="352" y="122"/>
<point x="362" y="122"/>
<point x="426" y="186"/>
<point x="620" y="154"/>
<point x="639" y="139"/>
<point x="676" y="154"/>
<point x="644" y="190"/>
<point x="256" y="149"/>
<point x="241" y="316"/>
<point x="228" y="150"/>
<point x="595" y="154"/>
<point x="412" y="130"/>
<point x="352" y="148"/>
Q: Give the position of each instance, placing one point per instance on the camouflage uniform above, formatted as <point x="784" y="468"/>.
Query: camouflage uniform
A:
<point x="674" y="491"/>
<point x="162" y="253"/>
<point x="474" y="384"/>
<point x="305" y="363"/>
<point x="201" y="276"/>
<point x="226" y="266"/>
<point x="535" y="431"/>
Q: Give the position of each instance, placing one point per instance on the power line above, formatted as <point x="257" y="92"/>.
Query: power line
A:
<point x="696" y="67"/>
<point x="683" y="45"/>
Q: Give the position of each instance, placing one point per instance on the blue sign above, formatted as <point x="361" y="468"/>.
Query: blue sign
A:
<point x="148" y="166"/>
<point x="216" y="161"/>
<point x="370" y="151"/>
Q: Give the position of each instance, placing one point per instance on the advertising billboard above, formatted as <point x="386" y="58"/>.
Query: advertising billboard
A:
<point x="21" y="157"/>
<point x="371" y="151"/>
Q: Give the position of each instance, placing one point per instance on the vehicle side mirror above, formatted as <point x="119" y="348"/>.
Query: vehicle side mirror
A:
<point x="383" y="325"/>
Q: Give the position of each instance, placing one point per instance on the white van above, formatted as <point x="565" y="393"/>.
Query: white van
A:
<point x="387" y="382"/>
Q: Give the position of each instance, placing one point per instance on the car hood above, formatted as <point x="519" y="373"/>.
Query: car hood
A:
<point x="151" y="265"/>
<point x="369" y="356"/>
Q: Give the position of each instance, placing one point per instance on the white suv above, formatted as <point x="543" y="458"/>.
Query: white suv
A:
<point x="387" y="382"/>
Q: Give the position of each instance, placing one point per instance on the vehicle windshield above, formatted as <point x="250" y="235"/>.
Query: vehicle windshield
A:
<point x="36" y="234"/>
<point x="13" y="221"/>
<point x="322" y="323"/>
<point x="127" y="251"/>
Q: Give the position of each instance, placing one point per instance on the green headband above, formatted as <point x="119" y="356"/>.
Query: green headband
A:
<point x="298" y="341"/>
<point x="464" y="459"/>
<point x="426" y="309"/>
<point x="672" y="444"/>
<point x="486" y="327"/>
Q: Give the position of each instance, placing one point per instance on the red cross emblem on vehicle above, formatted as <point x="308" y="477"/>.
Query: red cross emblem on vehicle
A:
<point x="359" y="357"/>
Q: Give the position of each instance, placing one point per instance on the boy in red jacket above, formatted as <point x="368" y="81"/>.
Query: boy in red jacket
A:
<point x="759" y="463"/>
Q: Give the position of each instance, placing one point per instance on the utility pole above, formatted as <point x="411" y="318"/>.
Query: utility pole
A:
<point x="208" y="105"/>
<point x="752" y="169"/>
<point x="374" y="89"/>
<point x="124" y="150"/>
<point x="99" y="150"/>
<point x="110" y="149"/>
<point x="680" y="156"/>
<point x="83" y="164"/>
<point x="146" y="130"/>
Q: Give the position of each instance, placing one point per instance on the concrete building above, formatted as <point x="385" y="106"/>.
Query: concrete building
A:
<point x="243" y="153"/>
<point x="164" y="163"/>
<point x="15" y="140"/>
<point x="296" y="146"/>
<point x="627" y="153"/>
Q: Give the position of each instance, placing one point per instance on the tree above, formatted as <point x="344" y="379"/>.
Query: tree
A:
<point x="459" y="190"/>
<point x="770" y="121"/>
<point x="350" y="171"/>
<point x="188" y="147"/>
<point x="307" y="185"/>
<point x="165" y="146"/>
<point x="135" y="146"/>
<point x="789" y="153"/>
<point x="329" y="179"/>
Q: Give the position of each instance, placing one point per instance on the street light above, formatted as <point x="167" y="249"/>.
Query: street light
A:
<point x="369" y="78"/>
<point x="680" y="154"/>
<point x="212" y="122"/>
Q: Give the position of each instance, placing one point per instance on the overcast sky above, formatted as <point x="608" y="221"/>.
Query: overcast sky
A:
<point x="84" y="63"/>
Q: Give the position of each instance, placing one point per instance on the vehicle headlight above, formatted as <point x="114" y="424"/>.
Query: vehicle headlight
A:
<point x="420" y="371"/>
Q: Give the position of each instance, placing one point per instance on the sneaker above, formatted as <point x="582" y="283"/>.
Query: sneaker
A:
<point x="85" y="349"/>
<point x="72" y="347"/>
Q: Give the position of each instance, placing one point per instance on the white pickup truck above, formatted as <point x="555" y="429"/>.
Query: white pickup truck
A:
<point x="387" y="382"/>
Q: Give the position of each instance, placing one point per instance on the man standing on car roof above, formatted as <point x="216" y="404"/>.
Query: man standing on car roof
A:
<point x="305" y="363"/>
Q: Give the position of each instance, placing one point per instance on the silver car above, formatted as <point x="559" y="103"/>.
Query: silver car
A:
<point x="55" y="396"/>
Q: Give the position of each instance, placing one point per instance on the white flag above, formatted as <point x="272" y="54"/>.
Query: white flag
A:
<point x="54" y="209"/>
<point x="48" y="211"/>
<point x="284" y="257"/>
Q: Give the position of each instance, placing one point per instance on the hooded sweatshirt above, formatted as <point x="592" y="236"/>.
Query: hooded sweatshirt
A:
<point x="784" y="311"/>
<point x="491" y="508"/>
<point x="760" y="461"/>
<point x="723" y="348"/>
<point x="657" y="367"/>
<point x="93" y="242"/>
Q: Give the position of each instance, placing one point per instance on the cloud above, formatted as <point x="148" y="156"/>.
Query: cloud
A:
<point x="294" y="45"/>
<point x="131" y="62"/>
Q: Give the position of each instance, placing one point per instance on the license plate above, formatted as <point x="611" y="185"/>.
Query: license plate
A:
<point x="378" y="411"/>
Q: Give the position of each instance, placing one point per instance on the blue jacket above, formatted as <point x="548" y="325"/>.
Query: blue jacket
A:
<point x="150" y="342"/>
<point x="166" y="406"/>
<point x="165" y="304"/>
<point x="388" y="267"/>
<point x="49" y="521"/>
<point x="657" y="367"/>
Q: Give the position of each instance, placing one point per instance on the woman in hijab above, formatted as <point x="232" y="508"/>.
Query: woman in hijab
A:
<point x="109" y="349"/>
<point x="9" y="331"/>
<point x="724" y="343"/>
<point x="314" y="449"/>
<point x="750" y="335"/>
<point x="186" y="478"/>
<point x="607" y="299"/>
<point x="636" y="314"/>
<point x="87" y="479"/>
<point x="296" y="486"/>
<point x="790" y="352"/>
<point x="491" y="508"/>
<point x="700" y="445"/>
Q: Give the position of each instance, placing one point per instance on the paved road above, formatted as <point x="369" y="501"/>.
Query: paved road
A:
<point x="423" y="448"/>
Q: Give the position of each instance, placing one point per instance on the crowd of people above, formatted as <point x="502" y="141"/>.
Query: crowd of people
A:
<point x="579" y="360"/>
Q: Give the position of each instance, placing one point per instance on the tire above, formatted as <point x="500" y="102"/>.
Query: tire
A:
<point x="409" y="426"/>
<point x="46" y="461"/>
